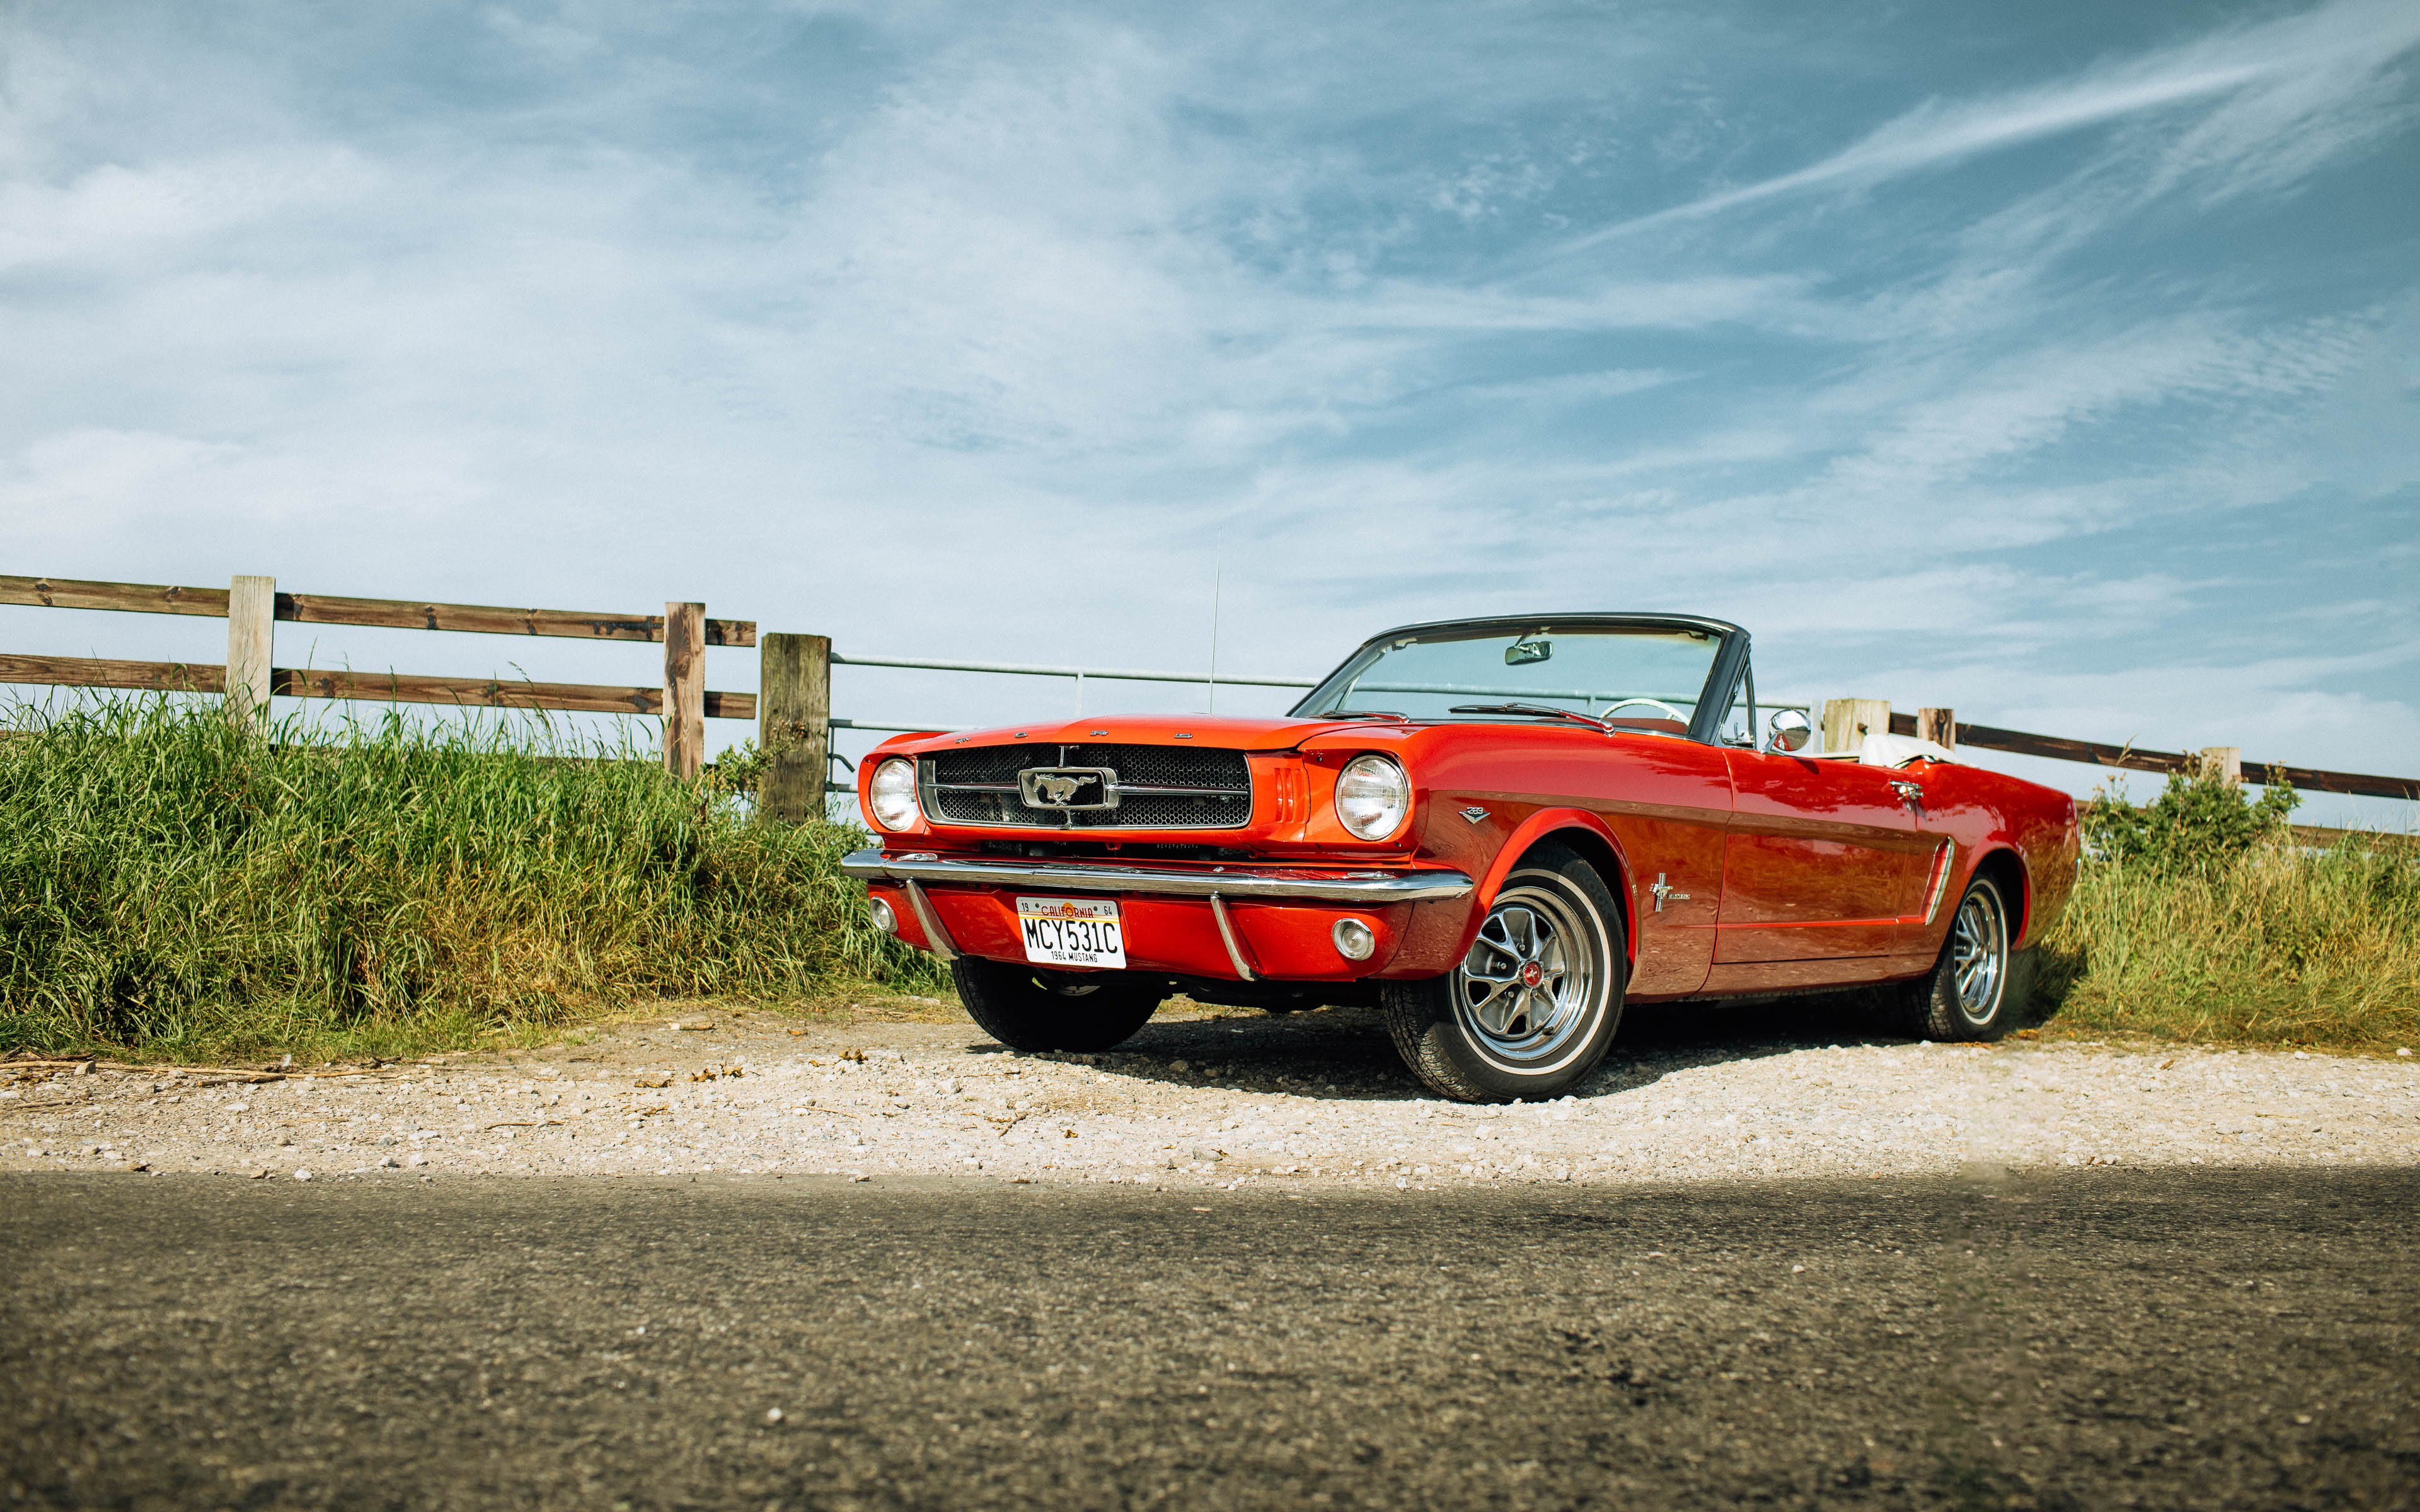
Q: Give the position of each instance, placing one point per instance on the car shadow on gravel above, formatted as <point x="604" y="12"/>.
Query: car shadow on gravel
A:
<point x="1344" y="1053"/>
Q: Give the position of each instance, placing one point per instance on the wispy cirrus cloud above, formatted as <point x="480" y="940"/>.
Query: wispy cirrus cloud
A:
<point x="2272" y="77"/>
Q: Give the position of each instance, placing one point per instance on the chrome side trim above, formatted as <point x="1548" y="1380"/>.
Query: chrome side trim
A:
<point x="1227" y="933"/>
<point x="1944" y="862"/>
<point x="1371" y="888"/>
<point x="944" y="947"/>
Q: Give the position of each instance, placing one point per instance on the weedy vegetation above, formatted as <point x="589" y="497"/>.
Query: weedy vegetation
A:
<point x="2198" y="917"/>
<point x="174" y="884"/>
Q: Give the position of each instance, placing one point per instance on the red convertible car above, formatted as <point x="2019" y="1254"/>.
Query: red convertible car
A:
<point x="1499" y="831"/>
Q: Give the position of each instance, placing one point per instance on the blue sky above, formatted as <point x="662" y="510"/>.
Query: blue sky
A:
<point x="2060" y="364"/>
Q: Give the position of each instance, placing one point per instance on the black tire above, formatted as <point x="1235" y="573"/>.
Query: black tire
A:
<point x="1029" y="1008"/>
<point x="1455" y="1031"/>
<point x="1979" y="989"/>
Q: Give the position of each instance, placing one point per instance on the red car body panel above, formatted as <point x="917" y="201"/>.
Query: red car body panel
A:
<point x="1738" y="872"/>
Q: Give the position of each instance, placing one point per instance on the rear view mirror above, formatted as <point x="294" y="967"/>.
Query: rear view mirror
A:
<point x="1525" y="651"/>
<point x="1788" y="730"/>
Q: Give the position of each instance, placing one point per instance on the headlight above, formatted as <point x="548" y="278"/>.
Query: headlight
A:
<point x="893" y="793"/>
<point x="1373" y="795"/>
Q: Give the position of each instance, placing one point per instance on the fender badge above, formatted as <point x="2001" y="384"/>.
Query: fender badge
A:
<point x="1474" y="815"/>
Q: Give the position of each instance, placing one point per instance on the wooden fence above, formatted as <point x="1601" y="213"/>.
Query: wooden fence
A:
<point x="795" y="735"/>
<point x="793" y="708"/>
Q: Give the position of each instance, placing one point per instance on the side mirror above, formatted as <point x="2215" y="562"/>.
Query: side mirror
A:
<point x="1788" y="730"/>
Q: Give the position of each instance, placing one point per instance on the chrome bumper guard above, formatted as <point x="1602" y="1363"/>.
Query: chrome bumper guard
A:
<point x="1371" y="888"/>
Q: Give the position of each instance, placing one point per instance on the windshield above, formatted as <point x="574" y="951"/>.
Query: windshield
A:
<point x="1644" y="678"/>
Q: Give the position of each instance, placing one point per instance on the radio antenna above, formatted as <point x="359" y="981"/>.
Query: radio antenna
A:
<point x="1217" y="567"/>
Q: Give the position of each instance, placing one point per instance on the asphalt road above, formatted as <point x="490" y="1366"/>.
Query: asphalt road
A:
<point x="2098" y="1339"/>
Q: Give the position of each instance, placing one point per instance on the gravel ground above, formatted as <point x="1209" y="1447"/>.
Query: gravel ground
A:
<point x="1206" y="1099"/>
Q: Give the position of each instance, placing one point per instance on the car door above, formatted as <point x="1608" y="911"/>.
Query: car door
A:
<point x="1821" y="860"/>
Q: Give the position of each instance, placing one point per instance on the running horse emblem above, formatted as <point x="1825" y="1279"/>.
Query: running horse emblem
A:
<point x="1058" y="790"/>
<point x="1061" y="787"/>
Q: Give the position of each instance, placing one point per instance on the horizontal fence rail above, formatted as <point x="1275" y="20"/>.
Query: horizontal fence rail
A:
<point x="2095" y="753"/>
<point x="382" y="688"/>
<point x="1110" y="673"/>
<point x="903" y="729"/>
<point x="378" y="613"/>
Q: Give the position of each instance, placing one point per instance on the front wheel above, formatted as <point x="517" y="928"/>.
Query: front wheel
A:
<point x="1978" y="988"/>
<point x="1030" y="1007"/>
<point x="1530" y="1010"/>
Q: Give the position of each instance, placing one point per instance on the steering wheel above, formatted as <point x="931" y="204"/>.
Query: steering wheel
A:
<point x="1675" y="715"/>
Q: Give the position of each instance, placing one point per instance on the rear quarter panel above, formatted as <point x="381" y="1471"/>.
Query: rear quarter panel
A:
<point x="1989" y="813"/>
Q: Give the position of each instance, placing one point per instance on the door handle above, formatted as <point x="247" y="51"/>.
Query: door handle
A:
<point x="1910" y="794"/>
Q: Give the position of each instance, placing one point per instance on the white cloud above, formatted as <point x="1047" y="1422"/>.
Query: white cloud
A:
<point x="1013" y="322"/>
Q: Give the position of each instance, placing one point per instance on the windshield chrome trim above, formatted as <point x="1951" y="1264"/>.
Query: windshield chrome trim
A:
<point x="1705" y="722"/>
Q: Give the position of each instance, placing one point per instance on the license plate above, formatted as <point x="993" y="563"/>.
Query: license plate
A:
<point x="1072" y="932"/>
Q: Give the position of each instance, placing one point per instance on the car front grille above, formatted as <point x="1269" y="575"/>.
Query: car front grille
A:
<point x="978" y="785"/>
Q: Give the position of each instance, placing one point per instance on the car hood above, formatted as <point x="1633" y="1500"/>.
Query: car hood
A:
<point x="1216" y="731"/>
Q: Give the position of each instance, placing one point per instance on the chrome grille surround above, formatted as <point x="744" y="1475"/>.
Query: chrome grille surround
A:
<point x="1139" y="787"/>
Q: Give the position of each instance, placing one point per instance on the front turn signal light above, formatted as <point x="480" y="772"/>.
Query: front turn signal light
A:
<point x="1353" y="939"/>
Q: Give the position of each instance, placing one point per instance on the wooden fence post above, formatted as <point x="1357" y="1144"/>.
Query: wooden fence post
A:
<point x="2224" y="762"/>
<point x="1847" y="722"/>
<point x="794" y="725"/>
<point x="252" y="628"/>
<point x="684" y="689"/>
<point x="1940" y="726"/>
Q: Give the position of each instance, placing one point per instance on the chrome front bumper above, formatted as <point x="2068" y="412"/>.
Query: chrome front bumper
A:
<point x="1370" y="888"/>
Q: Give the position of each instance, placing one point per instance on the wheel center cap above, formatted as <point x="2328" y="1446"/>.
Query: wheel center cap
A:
<point x="1533" y="974"/>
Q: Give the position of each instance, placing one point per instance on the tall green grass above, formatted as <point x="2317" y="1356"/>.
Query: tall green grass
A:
<point x="2197" y="916"/>
<point x="169" y="882"/>
<point x="172" y="884"/>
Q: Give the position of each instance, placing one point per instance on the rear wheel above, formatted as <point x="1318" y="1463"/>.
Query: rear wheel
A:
<point x="1531" y="1009"/>
<point x="1030" y="1008"/>
<point x="1978" y="989"/>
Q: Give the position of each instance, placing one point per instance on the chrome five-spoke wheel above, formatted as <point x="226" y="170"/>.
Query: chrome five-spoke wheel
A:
<point x="1530" y="979"/>
<point x="1529" y="1009"/>
<point x="1978" y="954"/>
<point x="1978" y="986"/>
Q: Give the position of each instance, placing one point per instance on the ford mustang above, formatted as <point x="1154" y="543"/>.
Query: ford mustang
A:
<point x="1497" y="831"/>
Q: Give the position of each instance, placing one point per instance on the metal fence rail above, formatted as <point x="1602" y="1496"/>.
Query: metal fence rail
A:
<point x="1119" y="673"/>
<point x="1123" y="674"/>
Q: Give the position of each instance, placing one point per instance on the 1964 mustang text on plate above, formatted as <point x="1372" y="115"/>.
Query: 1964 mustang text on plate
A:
<point x="1072" y="932"/>
<point x="1498" y="832"/>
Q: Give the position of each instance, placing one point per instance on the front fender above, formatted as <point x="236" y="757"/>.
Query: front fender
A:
<point x="1544" y="824"/>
